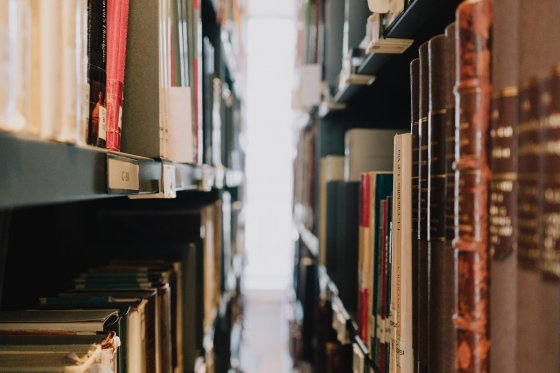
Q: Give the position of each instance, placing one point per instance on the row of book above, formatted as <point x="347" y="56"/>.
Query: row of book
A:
<point x="65" y="71"/>
<point x="474" y="287"/>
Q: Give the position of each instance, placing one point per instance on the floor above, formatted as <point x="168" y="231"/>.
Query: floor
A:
<point x="264" y="348"/>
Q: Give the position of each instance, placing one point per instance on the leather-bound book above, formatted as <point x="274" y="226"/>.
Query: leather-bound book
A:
<point x="473" y="90"/>
<point x="415" y="127"/>
<point x="448" y="360"/>
<point x="441" y="258"/>
<point x="502" y="238"/>
<point x="423" y="217"/>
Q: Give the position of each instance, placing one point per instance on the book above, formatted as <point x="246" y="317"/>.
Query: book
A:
<point x="415" y="132"/>
<point x="442" y="292"/>
<point x="58" y="322"/>
<point x="402" y="359"/>
<point x="382" y="188"/>
<point x="367" y="150"/>
<point x="473" y="92"/>
<point x="503" y="227"/>
<point x="364" y="256"/>
<point x="117" y="28"/>
<point x="157" y="117"/>
<point x="97" y="72"/>
<point x="332" y="169"/>
<point x="423" y="290"/>
<point x="334" y="19"/>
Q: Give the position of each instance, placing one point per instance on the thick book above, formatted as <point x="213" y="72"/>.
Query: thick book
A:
<point x="415" y="132"/>
<point x="473" y="90"/>
<point x="331" y="169"/>
<point x="117" y="28"/>
<point x="503" y="228"/>
<point x="402" y="359"/>
<point x="68" y="358"/>
<point x="367" y="150"/>
<point x="423" y="290"/>
<point x="58" y="322"/>
<point x="442" y="297"/>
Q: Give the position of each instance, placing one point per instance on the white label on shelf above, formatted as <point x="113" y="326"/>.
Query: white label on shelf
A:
<point x="102" y="123"/>
<point x="310" y="85"/>
<point x="122" y="175"/>
<point x="169" y="188"/>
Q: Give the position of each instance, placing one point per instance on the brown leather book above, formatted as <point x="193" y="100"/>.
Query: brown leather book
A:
<point x="502" y="238"/>
<point x="423" y="217"/>
<point x="415" y="127"/>
<point x="441" y="259"/>
<point x="448" y="360"/>
<point x="474" y="19"/>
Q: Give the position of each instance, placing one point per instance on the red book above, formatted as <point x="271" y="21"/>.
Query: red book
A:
<point x="117" y="28"/>
<point x="364" y="246"/>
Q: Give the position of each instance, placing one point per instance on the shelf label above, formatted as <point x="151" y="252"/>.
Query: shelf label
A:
<point x="169" y="181"/>
<point x="123" y="174"/>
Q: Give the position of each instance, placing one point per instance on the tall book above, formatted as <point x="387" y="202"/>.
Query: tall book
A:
<point x="423" y="214"/>
<point x="402" y="359"/>
<point x="415" y="132"/>
<point x="367" y="150"/>
<point x="473" y="96"/>
<point x="332" y="169"/>
<point x="157" y="121"/>
<point x="538" y="329"/>
<point x="381" y="188"/>
<point x="364" y="242"/>
<point x="503" y="228"/>
<point x="117" y="28"/>
<point x="449" y="360"/>
<point x="97" y="72"/>
<point x="441" y="291"/>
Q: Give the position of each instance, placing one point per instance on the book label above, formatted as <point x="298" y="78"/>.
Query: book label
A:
<point x="102" y="123"/>
<point x="122" y="175"/>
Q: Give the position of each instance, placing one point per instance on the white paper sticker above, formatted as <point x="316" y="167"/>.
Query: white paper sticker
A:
<point x="120" y="118"/>
<point x="102" y="123"/>
<point x="310" y="85"/>
<point x="169" y="180"/>
<point x="122" y="175"/>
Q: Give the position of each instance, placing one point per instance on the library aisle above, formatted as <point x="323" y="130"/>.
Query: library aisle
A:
<point x="276" y="186"/>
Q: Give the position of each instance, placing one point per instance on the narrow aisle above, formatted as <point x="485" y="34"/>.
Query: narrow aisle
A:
<point x="265" y="339"/>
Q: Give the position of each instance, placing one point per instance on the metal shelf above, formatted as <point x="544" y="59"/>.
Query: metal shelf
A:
<point x="38" y="172"/>
<point x="411" y="24"/>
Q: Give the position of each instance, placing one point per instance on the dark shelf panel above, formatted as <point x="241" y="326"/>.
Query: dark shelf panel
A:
<point x="420" y="21"/>
<point x="38" y="172"/>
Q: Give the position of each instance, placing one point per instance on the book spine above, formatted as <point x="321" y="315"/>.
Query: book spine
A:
<point x="549" y="169"/>
<point x="415" y="127"/>
<point x="117" y="27"/>
<point x="447" y="362"/>
<point x="441" y="259"/>
<point x="97" y="73"/>
<point x="423" y="217"/>
<point x="473" y="94"/>
<point x="365" y="193"/>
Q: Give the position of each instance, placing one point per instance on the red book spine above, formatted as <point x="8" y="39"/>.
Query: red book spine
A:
<point x="117" y="28"/>
<point x="364" y="225"/>
<point x="473" y="94"/>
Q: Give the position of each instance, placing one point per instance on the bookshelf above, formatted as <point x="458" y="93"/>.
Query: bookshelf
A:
<point x="68" y="209"/>
<point x="421" y="20"/>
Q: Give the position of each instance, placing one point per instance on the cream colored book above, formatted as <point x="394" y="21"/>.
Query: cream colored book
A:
<point x="332" y="169"/>
<point x="401" y="283"/>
